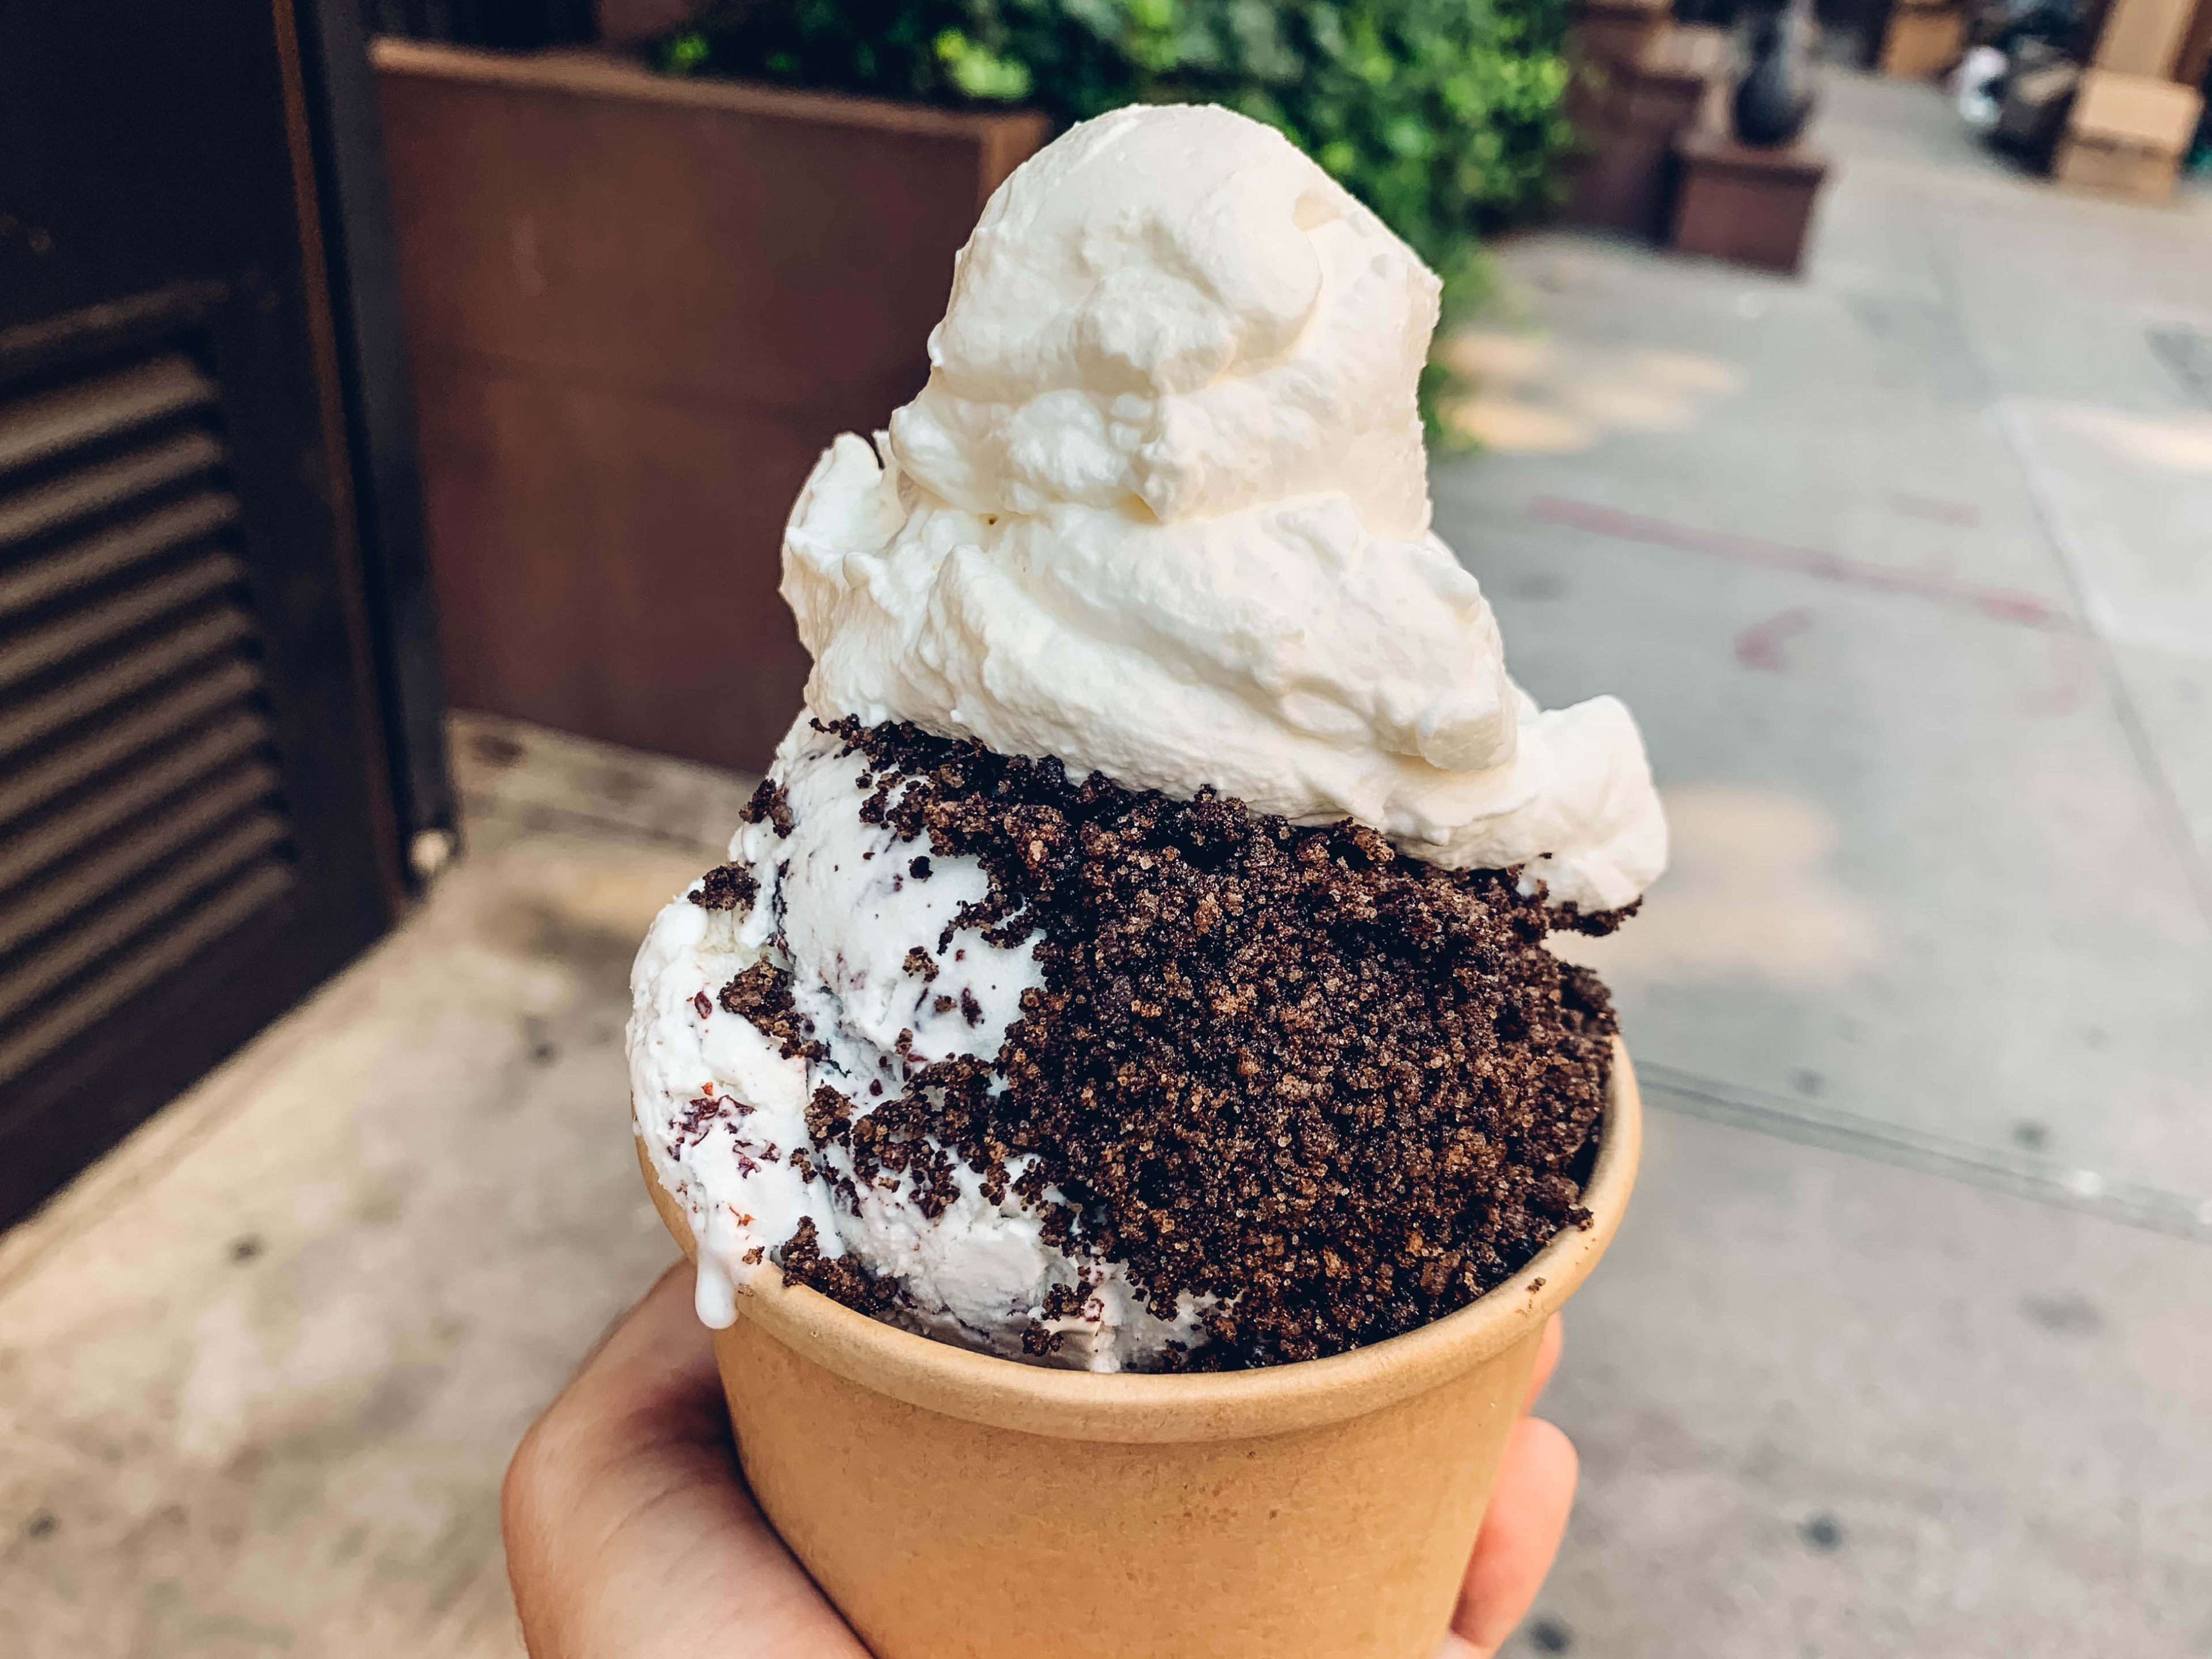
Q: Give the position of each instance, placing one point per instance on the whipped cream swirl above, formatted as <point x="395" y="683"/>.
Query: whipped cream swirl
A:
<point x="1161" y="511"/>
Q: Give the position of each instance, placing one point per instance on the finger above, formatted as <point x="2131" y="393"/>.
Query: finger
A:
<point x="1519" y="1537"/>
<point x="673" y="1283"/>
<point x="651" y="1375"/>
<point x="629" y="1528"/>
<point x="1548" y="1361"/>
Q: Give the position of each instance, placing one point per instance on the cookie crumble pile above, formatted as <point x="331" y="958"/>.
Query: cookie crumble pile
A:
<point x="1331" y="1091"/>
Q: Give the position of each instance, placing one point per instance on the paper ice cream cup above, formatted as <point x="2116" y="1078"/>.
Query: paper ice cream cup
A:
<point x="955" y="1503"/>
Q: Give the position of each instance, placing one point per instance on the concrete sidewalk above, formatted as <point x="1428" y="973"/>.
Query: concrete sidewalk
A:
<point x="1906" y="570"/>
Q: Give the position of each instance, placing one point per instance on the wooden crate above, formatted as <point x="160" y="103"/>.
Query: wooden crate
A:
<point x="2114" y="167"/>
<point x="2126" y="135"/>
<point x="1923" y="40"/>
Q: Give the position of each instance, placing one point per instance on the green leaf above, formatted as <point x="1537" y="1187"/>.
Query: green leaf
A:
<point x="683" y="52"/>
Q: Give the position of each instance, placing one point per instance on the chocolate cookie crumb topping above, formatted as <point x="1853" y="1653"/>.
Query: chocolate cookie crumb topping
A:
<point x="727" y="887"/>
<point x="762" y="995"/>
<point x="769" y="804"/>
<point x="838" y="1277"/>
<point x="1329" y="1090"/>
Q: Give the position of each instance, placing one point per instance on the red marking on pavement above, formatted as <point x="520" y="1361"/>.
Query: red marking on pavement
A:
<point x="2019" y="608"/>
<point x="2001" y="603"/>
<point x="1759" y="646"/>
<point x="1927" y="507"/>
<point x="2064" y="693"/>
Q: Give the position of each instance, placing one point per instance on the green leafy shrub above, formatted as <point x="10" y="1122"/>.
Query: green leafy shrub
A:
<point x="1445" y="116"/>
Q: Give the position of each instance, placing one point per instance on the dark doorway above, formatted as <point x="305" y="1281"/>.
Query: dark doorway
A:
<point x="213" y="725"/>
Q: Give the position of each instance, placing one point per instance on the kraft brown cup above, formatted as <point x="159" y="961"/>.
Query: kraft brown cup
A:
<point x="955" y="1503"/>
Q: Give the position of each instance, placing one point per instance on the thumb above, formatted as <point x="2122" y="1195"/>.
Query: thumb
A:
<point x="1519" y="1539"/>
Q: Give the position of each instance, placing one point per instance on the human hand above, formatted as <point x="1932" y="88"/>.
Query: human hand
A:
<point x="630" y="1534"/>
<point x="1520" y="1531"/>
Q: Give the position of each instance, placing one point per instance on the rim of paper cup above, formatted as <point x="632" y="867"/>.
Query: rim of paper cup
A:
<point x="1138" y="1407"/>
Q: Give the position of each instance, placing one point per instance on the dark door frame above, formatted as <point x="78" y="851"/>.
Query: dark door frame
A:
<point x="247" y="235"/>
<point x="344" y="136"/>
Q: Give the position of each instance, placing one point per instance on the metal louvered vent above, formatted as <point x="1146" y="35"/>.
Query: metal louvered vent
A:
<point x="140" y="816"/>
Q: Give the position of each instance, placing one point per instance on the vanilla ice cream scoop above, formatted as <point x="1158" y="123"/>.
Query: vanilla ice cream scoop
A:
<point x="838" y="906"/>
<point x="1161" y="514"/>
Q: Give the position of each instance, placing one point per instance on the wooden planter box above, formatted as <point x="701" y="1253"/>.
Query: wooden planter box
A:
<point x="1615" y="31"/>
<point x="1751" y="206"/>
<point x="1629" y="125"/>
<point x="637" y="309"/>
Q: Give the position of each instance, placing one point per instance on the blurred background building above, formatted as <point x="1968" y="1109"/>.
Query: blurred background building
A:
<point x="399" y="404"/>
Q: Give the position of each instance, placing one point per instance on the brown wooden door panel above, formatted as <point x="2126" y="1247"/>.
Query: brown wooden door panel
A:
<point x="195" y="827"/>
